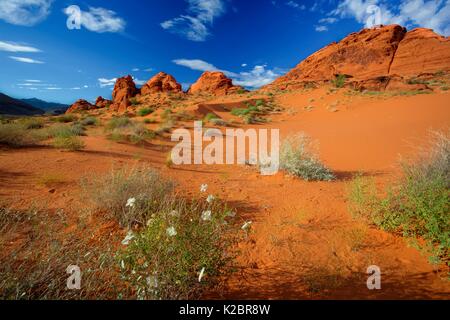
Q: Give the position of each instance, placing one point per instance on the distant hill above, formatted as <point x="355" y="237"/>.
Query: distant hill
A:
<point x="11" y="106"/>
<point x="46" y="106"/>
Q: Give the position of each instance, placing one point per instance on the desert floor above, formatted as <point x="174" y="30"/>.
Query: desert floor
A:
<point x="304" y="242"/>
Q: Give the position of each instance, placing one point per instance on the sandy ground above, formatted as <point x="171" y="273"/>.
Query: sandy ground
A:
<point x="304" y="243"/>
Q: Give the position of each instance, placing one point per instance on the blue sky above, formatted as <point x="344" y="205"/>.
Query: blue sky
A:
<point x="42" y="55"/>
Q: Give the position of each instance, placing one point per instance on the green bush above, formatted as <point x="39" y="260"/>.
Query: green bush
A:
<point x="210" y="116"/>
<point x="339" y="80"/>
<point x="66" y="118"/>
<point x="120" y="122"/>
<point x="32" y="123"/>
<point x="298" y="158"/>
<point x="418" y="205"/>
<point x="65" y="131"/>
<point x="144" y="112"/>
<point x="176" y="239"/>
<point x="89" y="121"/>
<point x="134" y="101"/>
<point x="17" y="135"/>
<point x="70" y="143"/>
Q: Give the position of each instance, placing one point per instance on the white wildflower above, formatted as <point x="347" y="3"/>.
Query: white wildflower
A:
<point x="171" y="232"/>
<point x="202" y="273"/>
<point x="246" y="225"/>
<point x="122" y="264"/>
<point x="206" y="215"/>
<point x="131" y="202"/>
<point x="203" y="188"/>
<point x="128" y="237"/>
<point x="210" y="198"/>
<point x="231" y="214"/>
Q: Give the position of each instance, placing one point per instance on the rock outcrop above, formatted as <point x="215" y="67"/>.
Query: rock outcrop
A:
<point x="215" y="83"/>
<point x="124" y="90"/>
<point x="373" y="57"/>
<point x="162" y="82"/>
<point x="421" y="51"/>
<point x="102" y="102"/>
<point x="81" y="105"/>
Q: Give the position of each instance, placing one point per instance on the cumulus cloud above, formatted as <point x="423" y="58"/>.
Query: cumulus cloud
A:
<point x="103" y="82"/>
<point x="16" y="47"/>
<point x="434" y="14"/>
<point x="196" y="23"/>
<point x="96" y="19"/>
<point x="24" y="12"/>
<point x="26" y="60"/>
<point x="255" y="78"/>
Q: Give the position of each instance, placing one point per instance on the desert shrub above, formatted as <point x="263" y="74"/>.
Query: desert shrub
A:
<point x="37" y="268"/>
<point x="144" y="111"/>
<point x="65" y="131"/>
<point x="134" y="101"/>
<point x="140" y="133"/>
<point x="70" y="143"/>
<point x="89" y="121"/>
<point x="241" y="91"/>
<point x="32" y="123"/>
<point x="65" y="118"/>
<point x="417" y="206"/>
<point x="109" y="193"/>
<point x="219" y="122"/>
<point x="181" y="252"/>
<point x="339" y="80"/>
<point x="166" y="114"/>
<point x="148" y="121"/>
<point x="298" y="158"/>
<point x="120" y="122"/>
<point x="165" y="127"/>
<point x="210" y="116"/>
<point x="177" y="240"/>
<point x="17" y="135"/>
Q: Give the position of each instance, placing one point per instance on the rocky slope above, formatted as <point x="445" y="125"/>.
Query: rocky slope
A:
<point x="215" y="83"/>
<point x="124" y="90"/>
<point x="372" y="57"/>
<point x="81" y="105"/>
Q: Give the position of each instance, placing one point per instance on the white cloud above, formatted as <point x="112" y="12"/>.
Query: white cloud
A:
<point x="433" y="14"/>
<point x="135" y="69"/>
<point x="24" y="12"/>
<point x="33" y="81"/>
<point x="321" y="28"/>
<point x="195" y="64"/>
<point x="243" y="65"/>
<point x="75" y="88"/>
<point x="294" y="4"/>
<point x="15" y="47"/>
<point x="148" y="70"/>
<point x="85" y="86"/>
<point x="329" y="20"/>
<point x="103" y="82"/>
<point x="53" y="88"/>
<point x="139" y="82"/>
<point x="194" y="25"/>
<point x="255" y="78"/>
<point x="26" y="60"/>
<point x="98" y="19"/>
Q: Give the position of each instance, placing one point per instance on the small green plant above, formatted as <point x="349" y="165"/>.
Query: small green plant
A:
<point x="417" y="206"/>
<point x="32" y="123"/>
<point x="149" y="121"/>
<point x="71" y="143"/>
<point x="339" y="80"/>
<point x="298" y="158"/>
<point x="144" y="111"/>
<point x="17" y="135"/>
<point x="120" y="122"/>
<point x="89" y="121"/>
<point x="66" y="118"/>
<point x="241" y="91"/>
<point x="134" y="101"/>
<point x="210" y="116"/>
